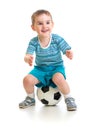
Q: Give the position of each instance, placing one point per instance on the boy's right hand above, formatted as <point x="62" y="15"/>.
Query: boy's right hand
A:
<point x="28" y="59"/>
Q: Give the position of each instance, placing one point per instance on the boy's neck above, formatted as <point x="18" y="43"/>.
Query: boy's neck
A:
<point x="44" y="41"/>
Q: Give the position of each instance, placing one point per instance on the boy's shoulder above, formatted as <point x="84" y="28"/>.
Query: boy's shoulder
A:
<point x="34" y="40"/>
<point x="56" y="37"/>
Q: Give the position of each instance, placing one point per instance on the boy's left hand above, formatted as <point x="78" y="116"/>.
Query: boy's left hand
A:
<point x="69" y="54"/>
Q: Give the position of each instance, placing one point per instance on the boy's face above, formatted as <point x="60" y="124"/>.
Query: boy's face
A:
<point x="43" y="25"/>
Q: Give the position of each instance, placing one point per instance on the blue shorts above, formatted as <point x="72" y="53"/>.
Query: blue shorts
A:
<point x="45" y="73"/>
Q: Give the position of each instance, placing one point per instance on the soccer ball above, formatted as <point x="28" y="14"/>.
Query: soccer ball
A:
<point x="49" y="95"/>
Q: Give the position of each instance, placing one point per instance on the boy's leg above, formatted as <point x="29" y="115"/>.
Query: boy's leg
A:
<point x="60" y="81"/>
<point x="29" y="82"/>
<point x="63" y="86"/>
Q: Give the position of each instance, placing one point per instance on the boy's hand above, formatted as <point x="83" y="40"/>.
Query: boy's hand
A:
<point x="69" y="54"/>
<point x="28" y="59"/>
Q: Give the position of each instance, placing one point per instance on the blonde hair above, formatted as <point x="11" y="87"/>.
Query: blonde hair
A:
<point x="39" y="12"/>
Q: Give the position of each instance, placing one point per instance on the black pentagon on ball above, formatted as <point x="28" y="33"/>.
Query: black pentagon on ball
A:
<point x="57" y="95"/>
<point x="44" y="101"/>
<point x="45" y="89"/>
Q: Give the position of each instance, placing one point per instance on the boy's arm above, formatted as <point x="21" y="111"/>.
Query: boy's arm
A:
<point x="28" y="59"/>
<point x="69" y="54"/>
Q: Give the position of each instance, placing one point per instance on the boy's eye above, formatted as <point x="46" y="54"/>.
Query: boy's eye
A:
<point x="40" y="23"/>
<point x="48" y="22"/>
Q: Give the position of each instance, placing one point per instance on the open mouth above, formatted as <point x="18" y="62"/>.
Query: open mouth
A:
<point x="44" y="31"/>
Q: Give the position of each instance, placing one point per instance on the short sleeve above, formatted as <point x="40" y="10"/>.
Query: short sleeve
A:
<point x="31" y="46"/>
<point x="63" y="45"/>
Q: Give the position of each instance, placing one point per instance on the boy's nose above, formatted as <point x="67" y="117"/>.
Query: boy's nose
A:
<point x="44" y="25"/>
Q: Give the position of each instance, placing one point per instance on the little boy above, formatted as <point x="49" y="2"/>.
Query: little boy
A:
<point x="49" y="69"/>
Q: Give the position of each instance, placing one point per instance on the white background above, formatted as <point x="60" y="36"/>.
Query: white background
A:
<point x="72" y="21"/>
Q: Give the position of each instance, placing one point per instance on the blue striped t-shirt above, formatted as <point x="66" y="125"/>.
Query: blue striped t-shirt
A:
<point x="51" y="55"/>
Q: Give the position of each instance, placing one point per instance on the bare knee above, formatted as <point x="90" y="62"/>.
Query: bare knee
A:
<point x="30" y="80"/>
<point x="58" y="78"/>
<point x="26" y="80"/>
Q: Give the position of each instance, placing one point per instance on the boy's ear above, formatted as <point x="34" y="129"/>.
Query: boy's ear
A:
<point x="32" y="27"/>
